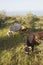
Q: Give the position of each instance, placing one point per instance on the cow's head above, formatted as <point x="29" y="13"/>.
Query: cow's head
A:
<point x="31" y="37"/>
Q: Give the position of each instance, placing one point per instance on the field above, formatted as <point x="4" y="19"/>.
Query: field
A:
<point x="12" y="47"/>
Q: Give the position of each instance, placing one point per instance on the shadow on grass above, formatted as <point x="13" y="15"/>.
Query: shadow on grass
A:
<point x="6" y="25"/>
<point x="11" y="41"/>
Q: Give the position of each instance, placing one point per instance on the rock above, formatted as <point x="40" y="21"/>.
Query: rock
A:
<point x="15" y="27"/>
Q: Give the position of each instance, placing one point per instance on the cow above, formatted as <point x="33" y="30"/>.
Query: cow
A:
<point x="33" y="40"/>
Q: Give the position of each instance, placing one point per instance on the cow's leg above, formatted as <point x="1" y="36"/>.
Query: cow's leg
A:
<point x="32" y="48"/>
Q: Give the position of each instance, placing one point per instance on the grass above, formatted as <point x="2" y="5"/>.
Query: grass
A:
<point x="12" y="49"/>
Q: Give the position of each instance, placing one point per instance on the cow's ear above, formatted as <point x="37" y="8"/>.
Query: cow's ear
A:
<point x="36" y="37"/>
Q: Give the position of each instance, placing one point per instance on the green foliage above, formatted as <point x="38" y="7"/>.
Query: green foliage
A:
<point x="2" y="19"/>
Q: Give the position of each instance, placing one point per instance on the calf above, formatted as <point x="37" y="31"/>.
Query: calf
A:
<point x="32" y="39"/>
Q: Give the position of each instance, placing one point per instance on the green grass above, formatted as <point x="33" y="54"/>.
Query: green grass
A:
<point x="12" y="49"/>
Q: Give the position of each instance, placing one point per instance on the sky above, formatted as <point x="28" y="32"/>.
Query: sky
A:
<point x="21" y="5"/>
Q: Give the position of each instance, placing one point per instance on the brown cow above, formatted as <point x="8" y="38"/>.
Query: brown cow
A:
<point x="32" y="40"/>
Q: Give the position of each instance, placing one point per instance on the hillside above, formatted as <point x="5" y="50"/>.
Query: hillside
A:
<point x="12" y="47"/>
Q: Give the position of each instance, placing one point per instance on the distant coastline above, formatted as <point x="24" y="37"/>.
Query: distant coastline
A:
<point x="38" y="13"/>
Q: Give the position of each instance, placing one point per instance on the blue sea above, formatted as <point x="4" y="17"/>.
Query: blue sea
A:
<point x="38" y="13"/>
